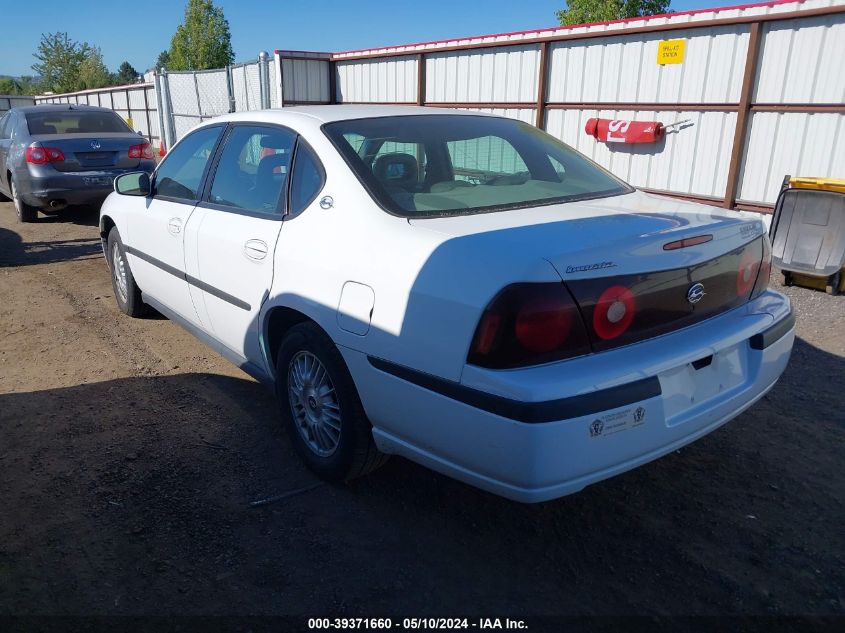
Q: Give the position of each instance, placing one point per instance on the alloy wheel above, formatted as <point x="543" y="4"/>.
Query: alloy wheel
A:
<point x="314" y="403"/>
<point x="118" y="271"/>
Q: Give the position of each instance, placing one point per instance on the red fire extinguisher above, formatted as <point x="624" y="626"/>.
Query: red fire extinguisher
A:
<point x="621" y="131"/>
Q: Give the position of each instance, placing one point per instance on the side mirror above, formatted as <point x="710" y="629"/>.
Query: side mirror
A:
<point x="136" y="183"/>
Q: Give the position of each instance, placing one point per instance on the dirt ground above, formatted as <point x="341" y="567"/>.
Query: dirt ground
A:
<point x="130" y="454"/>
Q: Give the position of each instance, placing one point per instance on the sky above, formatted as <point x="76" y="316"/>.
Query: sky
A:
<point x="123" y="32"/>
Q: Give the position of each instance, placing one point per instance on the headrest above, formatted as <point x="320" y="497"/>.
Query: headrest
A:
<point x="396" y="168"/>
<point x="272" y="141"/>
<point x="272" y="162"/>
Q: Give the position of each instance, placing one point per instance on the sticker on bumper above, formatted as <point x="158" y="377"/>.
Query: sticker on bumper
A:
<point x="614" y="423"/>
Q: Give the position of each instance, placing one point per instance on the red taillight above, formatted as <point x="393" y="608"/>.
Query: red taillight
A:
<point x="746" y="276"/>
<point x="143" y="150"/>
<point x="43" y="155"/>
<point x="529" y="324"/>
<point x="762" y="281"/>
<point x="614" y="312"/>
<point x="543" y="325"/>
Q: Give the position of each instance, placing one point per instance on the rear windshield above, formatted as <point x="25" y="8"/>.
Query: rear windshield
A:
<point x="442" y="165"/>
<point x="74" y="122"/>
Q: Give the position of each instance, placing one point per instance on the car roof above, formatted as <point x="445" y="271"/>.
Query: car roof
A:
<point x="60" y="107"/>
<point x="330" y="113"/>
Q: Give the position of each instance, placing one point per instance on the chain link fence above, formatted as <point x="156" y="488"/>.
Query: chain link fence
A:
<point x="191" y="97"/>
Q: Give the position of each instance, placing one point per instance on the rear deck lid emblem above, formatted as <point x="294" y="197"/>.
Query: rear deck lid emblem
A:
<point x="695" y="293"/>
<point x="95" y="145"/>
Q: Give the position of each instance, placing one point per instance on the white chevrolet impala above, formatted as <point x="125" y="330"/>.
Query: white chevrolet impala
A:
<point x="460" y="289"/>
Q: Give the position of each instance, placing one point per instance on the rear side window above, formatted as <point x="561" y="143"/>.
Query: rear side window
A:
<point x="180" y="174"/>
<point x="74" y="122"/>
<point x="253" y="168"/>
<point x="307" y="179"/>
<point x="5" y="126"/>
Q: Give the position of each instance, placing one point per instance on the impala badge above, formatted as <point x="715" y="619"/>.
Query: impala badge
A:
<point x="95" y="145"/>
<point x="695" y="293"/>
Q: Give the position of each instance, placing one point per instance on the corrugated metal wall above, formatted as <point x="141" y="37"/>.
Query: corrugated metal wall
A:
<point x="801" y="61"/>
<point x="387" y="80"/>
<point x="608" y="71"/>
<point x="623" y="68"/>
<point x="692" y="160"/>
<point x="308" y="80"/>
<point x="483" y="75"/>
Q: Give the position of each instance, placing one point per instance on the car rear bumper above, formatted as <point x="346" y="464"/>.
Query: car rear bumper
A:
<point x="545" y="432"/>
<point x="71" y="188"/>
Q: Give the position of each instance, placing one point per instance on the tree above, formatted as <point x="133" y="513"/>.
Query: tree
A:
<point x="25" y="85"/>
<point x="585" y="11"/>
<point x="29" y="85"/>
<point x="203" y="40"/>
<point x="9" y="86"/>
<point x="59" y="61"/>
<point x="163" y="60"/>
<point x="126" y="74"/>
<point x="92" y="71"/>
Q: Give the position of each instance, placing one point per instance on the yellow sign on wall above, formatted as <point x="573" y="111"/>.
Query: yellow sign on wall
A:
<point x="671" y="51"/>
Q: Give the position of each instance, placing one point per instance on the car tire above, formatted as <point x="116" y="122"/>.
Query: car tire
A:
<point x="833" y="283"/>
<point x="321" y="409"/>
<point x="126" y="291"/>
<point x="26" y="212"/>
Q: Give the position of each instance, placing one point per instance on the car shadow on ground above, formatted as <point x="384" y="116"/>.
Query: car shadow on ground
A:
<point x="83" y="216"/>
<point x="135" y="495"/>
<point x="15" y="252"/>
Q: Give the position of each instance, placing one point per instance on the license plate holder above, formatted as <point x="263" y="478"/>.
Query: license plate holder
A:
<point x="693" y="384"/>
<point x="98" y="181"/>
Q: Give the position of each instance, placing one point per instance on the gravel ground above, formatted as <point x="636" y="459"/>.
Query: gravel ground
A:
<point x="130" y="454"/>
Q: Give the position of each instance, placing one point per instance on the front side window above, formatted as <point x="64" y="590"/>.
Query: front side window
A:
<point x="180" y="174"/>
<point x="74" y="122"/>
<point x="442" y="165"/>
<point x="252" y="169"/>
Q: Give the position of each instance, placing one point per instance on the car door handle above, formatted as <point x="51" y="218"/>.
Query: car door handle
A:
<point x="174" y="226"/>
<point x="255" y="249"/>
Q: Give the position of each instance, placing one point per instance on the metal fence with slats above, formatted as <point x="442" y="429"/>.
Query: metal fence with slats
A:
<point x="761" y="84"/>
<point x="7" y="102"/>
<point x="165" y="109"/>
<point x="136" y="104"/>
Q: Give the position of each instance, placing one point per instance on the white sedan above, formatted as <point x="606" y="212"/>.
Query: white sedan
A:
<point x="460" y="289"/>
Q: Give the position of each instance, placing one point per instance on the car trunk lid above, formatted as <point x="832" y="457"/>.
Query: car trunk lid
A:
<point x="617" y="235"/>
<point x="637" y="265"/>
<point x="84" y="152"/>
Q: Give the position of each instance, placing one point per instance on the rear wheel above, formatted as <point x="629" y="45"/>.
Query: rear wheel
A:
<point x="126" y="291"/>
<point x="25" y="212"/>
<point x="787" y="278"/>
<point x="321" y="408"/>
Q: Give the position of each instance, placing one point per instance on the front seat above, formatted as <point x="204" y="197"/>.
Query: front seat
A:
<point x="268" y="186"/>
